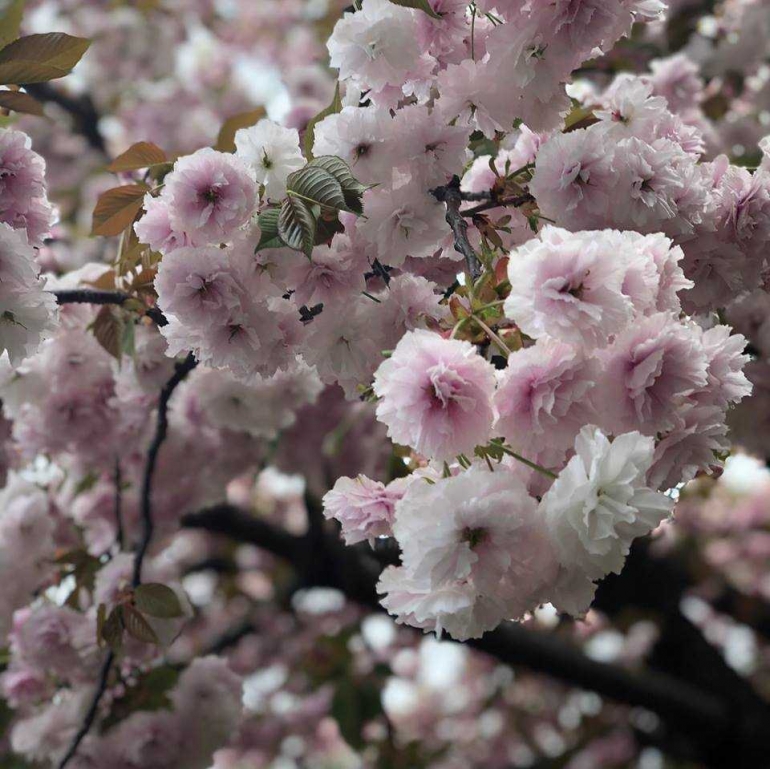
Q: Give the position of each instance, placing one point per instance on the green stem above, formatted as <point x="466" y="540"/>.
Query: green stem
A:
<point x="493" y="336"/>
<point x="528" y="463"/>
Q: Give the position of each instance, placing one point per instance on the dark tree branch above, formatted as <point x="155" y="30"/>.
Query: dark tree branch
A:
<point x="161" y="430"/>
<point x="94" y="296"/>
<point x="93" y="709"/>
<point x="181" y="371"/>
<point x="451" y="196"/>
<point x="231" y="522"/>
<point x="120" y="537"/>
<point x="711" y="724"/>
<point x="230" y="638"/>
<point x="90" y="296"/>
<point x="85" y="118"/>
<point x="495" y="202"/>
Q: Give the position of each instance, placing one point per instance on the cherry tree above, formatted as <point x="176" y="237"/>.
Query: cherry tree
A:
<point x="354" y="355"/>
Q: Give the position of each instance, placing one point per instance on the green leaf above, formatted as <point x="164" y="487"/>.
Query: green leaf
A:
<point x="38" y="58"/>
<point x="352" y="189"/>
<point x="139" y="155"/>
<point x="316" y="186"/>
<point x="157" y="600"/>
<point x="418" y="5"/>
<point x="21" y="102"/>
<point x="11" y="12"/>
<point x="117" y="208"/>
<point x="137" y="626"/>
<point x="332" y="109"/>
<point x="340" y="170"/>
<point x="268" y="229"/>
<point x="297" y="225"/>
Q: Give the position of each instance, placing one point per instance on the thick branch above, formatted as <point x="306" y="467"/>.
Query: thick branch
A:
<point x="236" y="524"/>
<point x="451" y="196"/>
<point x="85" y="118"/>
<point x="161" y="430"/>
<point x="704" y="717"/>
<point x="93" y="296"/>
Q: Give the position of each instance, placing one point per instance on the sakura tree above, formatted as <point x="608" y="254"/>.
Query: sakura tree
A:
<point x="355" y="357"/>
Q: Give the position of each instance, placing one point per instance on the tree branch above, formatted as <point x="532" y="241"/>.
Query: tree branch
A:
<point x="118" y="477"/>
<point x="94" y="296"/>
<point x="451" y="196"/>
<point x="495" y="202"/>
<point x="93" y="708"/>
<point x="161" y="430"/>
<point x="180" y="373"/>
<point x="85" y="118"/>
<point x="233" y="523"/>
<point x="703" y="716"/>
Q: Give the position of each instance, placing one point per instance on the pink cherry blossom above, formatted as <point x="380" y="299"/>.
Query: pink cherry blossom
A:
<point x="435" y="395"/>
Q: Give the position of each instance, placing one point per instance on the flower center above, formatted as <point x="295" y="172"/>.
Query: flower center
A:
<point x="473" y="536"/>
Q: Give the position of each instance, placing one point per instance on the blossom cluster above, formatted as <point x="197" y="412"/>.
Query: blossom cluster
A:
<point x="26" y="216"/>
<point x="609" y="348"/>
<point x="507" y="353"/>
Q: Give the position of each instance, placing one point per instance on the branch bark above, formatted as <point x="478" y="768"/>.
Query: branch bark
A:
<point x="708" y="721"/>
<point x="452" y="198"/>
<point x="94" y="296"/>
<point x="85" y="118"/>
<point x="93" y="709"/>
<point x="161" y="430"/>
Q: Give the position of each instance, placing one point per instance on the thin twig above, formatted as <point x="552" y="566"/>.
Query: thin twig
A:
<point x="120" y="535"/>
<point x="93" y="709"/>
<point x="161" y="430"/>
<point x="451" y="196"/>
<point x="503" y="347"/>
<point x="514" y="202"/>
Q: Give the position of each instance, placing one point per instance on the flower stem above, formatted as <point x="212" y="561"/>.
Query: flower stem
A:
<point x="528" y="463"/>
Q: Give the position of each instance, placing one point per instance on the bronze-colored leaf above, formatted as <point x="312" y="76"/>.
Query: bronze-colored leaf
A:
<point x="112" y="630"/>
<point x="226" y="137"/>
<point x="38" y="58"/>
<point x="108" y="328"/>
<point x="139" y="155"/>
<point x="332" y="109"/>
<point x="105" y="282"/>
<point x="21" y="102"/>
<point x="101" y="618"/>
<point x="117" y="208"/>
<point x="157" y="600"/>
<point x="137" y="626"/>
<point x="11" y="12"/>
